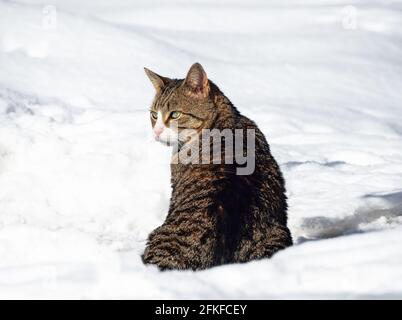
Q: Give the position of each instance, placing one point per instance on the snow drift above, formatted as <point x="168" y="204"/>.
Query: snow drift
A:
<point x="82" y="183"/>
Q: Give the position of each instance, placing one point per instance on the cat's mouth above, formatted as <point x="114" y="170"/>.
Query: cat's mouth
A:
<point x="176" y="139"/>
<point x="169" y="140"/>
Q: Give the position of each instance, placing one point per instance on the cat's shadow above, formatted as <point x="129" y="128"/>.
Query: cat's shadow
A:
<point x="321" y="227"/>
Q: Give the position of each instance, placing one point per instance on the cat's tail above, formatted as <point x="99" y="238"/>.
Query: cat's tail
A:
<point x="277" y="238"/>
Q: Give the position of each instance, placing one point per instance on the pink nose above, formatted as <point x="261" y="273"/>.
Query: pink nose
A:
<point x="158" y="131"/>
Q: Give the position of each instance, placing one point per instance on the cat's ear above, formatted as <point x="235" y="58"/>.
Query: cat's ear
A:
<point x="158" y="81"/>
<point x="197" y="80"/>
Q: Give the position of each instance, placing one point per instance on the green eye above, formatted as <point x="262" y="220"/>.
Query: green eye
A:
<point x="175" y="114"/>
<point x="154" y="115"/>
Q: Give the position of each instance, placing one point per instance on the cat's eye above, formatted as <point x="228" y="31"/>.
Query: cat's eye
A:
<point x="154" y="115"/>
<point x="175" y="114"/>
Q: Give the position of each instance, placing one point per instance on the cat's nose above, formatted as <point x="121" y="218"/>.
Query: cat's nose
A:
<point x="158" y="131"/>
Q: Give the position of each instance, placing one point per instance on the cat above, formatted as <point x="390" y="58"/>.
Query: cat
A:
<point x="216" y="216"/>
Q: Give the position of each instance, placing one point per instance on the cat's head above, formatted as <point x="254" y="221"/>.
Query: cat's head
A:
<point x="181" y="107"/>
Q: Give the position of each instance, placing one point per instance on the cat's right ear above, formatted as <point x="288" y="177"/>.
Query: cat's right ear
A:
<point x="197" y="81"/>
<point x="158" y="81"/>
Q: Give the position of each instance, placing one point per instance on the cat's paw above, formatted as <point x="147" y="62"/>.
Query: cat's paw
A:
<point x="163" y="261"/>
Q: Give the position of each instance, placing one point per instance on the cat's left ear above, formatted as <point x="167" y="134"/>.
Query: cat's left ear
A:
<point x="158" y="81"/>
<point x="197" y="81"/>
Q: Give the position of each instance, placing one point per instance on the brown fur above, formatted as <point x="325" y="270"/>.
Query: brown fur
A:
<point x="215" y="216"/>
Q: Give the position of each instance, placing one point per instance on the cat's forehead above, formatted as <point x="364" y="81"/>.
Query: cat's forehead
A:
<point x="171" y="93"/>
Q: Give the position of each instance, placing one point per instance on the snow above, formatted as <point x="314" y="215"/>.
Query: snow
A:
<point x="82" y="182"/>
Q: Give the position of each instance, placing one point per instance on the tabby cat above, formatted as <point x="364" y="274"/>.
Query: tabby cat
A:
<point x="216" y="216"/>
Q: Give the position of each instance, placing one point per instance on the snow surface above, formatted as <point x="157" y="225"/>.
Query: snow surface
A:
<point x="82" y="182"/>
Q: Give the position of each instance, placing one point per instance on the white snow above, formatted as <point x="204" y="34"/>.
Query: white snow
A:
<point x="82" y="182"/>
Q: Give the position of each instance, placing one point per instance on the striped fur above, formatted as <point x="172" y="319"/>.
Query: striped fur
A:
<point x="215" y="216"/>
